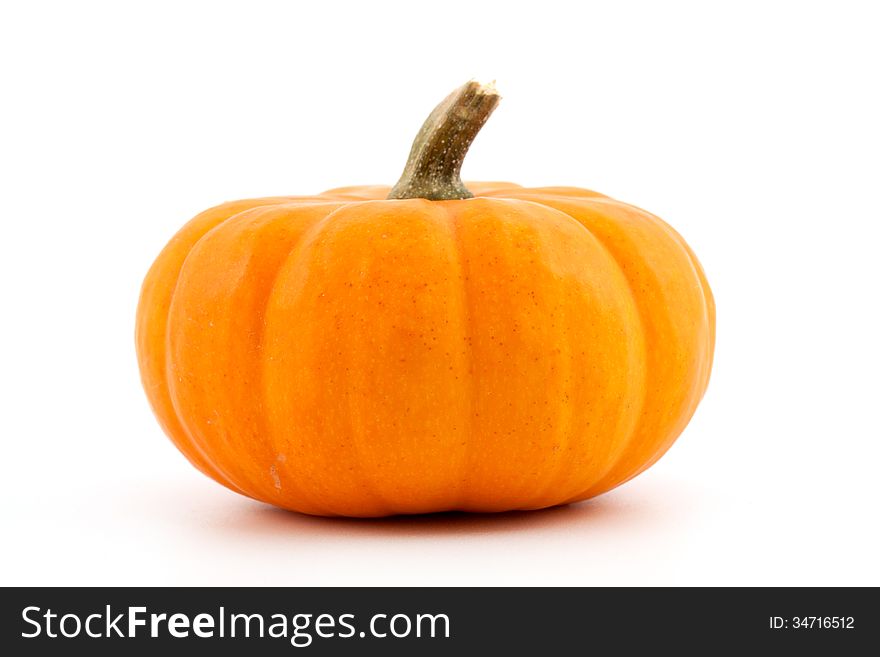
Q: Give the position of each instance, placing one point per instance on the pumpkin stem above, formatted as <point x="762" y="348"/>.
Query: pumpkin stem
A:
<point x="433" y="170"/>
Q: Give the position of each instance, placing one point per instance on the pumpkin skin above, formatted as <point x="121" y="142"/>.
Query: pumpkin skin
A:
<point x="343" y="354"/>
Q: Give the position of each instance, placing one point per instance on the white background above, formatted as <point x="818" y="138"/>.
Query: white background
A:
<point x="752" y="129"/>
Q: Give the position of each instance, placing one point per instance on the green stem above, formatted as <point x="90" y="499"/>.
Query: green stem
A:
<point x="433" y="170"/>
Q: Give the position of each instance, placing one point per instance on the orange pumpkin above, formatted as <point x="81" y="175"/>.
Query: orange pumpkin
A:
<point x="487" y="349"/>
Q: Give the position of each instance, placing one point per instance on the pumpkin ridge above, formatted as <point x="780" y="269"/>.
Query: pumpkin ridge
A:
<point x="287" y="212"/>
<point x="708" y="299"/>
<point x="564" y="422"/>
<point x="641" y="329"/>
<point x="289" y="263"/>
<point x="155" y="384"/>
<point x="641" y="332"/>
<point x="194" y="441"/>
<point x="706" y="363"/>
<point x="567" y="436"/>
<point x="359" y="444"/>
<point x="461" y="500"/>
<point x="266" y="203"/>
<point x="214" y="470"/>
<point x="258" y="376"/>
<point x="607" y="483"/>
<point x="708" y="316"/>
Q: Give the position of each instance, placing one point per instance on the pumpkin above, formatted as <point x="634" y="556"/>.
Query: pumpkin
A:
<point x="371" y="351"/>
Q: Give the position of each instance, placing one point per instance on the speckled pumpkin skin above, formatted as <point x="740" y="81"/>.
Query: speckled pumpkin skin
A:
<point x="341" y="354"/>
